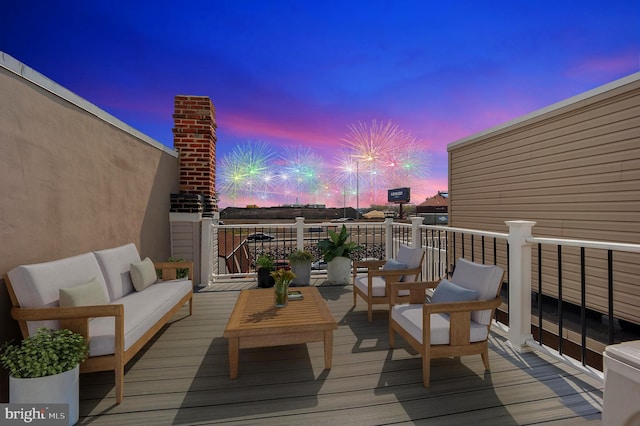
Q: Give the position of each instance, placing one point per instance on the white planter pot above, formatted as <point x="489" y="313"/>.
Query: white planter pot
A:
<point x="63" y="388"/>
<point x="303" y="273"/>
<point x="339" y="270"/>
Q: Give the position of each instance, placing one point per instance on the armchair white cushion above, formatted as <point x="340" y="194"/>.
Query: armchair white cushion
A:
<point x="412" y="257"/>
<point x="409" y="317"/>
<point x="485" y="279"/>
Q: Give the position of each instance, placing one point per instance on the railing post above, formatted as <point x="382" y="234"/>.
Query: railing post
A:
<point x="519" y="284"/>
<point x="416" y="241"/>
<point x="388" y="238"/>
<point x="300" y="233"/>
<point x="206" y="250"/>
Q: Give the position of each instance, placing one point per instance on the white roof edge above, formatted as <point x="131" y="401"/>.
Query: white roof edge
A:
<point x="561" y="104"/>
<point x="13" y="65"/>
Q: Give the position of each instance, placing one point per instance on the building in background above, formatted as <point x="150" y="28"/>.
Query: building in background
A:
<point x="435" y="210"/>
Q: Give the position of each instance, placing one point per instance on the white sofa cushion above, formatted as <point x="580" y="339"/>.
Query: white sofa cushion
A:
<point x="143" y="274"/>
<point x="141" y="311"/>
<point x="485" y="279"/>
<point x="409" y="317"/>
<point x="38" y="285"/>
<point x="115" y="264"/>
<point x="89" y="294"/>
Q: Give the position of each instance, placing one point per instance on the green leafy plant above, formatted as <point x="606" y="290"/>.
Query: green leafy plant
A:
<point x="46" y="353"/>
<point x="180" y="272"/>
<point x="300" y="256"/>
<point x="265" y="262"/>
<point x="336" y="245"/>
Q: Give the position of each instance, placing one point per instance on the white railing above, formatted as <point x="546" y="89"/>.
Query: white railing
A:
<point x="442" y="245"/>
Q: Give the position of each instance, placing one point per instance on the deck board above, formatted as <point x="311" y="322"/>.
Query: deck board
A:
<point x="182" y="377"/>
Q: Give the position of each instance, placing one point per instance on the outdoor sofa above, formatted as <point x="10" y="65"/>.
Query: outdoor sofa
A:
<point x="109" y="296"/>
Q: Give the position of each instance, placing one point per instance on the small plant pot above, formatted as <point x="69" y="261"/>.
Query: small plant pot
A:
<point x="265" y="280"/>
<point x="303" y="273"/>
<point x="339" y="270"/>
<point x="60" y="388"/>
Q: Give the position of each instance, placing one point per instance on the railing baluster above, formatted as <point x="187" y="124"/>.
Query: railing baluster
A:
<point x="495" y="251"/>
<point x="583" y="307"/>
<point x="560" y="345"/>
<point x="472" y="249"/>
<point x="453" y="260"/>
<point x="610" y="293"/>
<point x="540" y="293"/>
<point x="439" y="254"/>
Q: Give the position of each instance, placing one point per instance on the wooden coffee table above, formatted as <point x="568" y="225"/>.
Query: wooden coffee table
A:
<point x="256" y="322"/>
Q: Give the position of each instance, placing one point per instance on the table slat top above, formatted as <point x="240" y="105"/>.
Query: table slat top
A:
<point x="255" y="312"/>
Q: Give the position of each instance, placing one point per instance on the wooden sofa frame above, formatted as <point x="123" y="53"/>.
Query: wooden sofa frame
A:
<point x="77" y="320"/>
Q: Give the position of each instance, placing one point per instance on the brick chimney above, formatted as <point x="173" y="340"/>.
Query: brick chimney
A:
<point x="194" y="137"/>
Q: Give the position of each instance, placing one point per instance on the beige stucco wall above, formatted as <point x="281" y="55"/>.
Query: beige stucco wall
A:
<point x="72" y="182"/>
<point x="574" y="168"/>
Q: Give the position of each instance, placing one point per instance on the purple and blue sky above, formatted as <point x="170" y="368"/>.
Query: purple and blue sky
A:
<point x="298" y="73"/>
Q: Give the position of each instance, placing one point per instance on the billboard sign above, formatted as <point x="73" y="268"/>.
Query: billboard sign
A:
<point x="398" y="195"/>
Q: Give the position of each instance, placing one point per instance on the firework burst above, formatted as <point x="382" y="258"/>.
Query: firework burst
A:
<point x="372" y="159"/>
<point x="245" y="171"/>
<point x="385" y="156"/>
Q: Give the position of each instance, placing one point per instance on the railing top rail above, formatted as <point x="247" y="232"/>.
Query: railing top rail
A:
<point x="604" y="245"/>
<point x="260" y="225"/>
<point x="499" y="235"/>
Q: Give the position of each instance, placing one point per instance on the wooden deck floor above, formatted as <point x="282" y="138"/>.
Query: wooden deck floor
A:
<point x="182" y="377"/>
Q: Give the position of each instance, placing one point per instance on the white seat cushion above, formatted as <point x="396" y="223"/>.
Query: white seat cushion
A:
<point x="141" y="311"/>
<point x="409" y="317"/>
<point x="377" y="283"/>
<point x="485" y="279"/>
<point x="378" y="286"/>
<point x="38" y="285"/>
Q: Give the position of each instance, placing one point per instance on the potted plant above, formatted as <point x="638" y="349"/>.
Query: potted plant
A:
<point x="337" y="253"/>
<point x="300" y="261"/>
<point x="265" y="266"/>
<point x="45" y="368"/>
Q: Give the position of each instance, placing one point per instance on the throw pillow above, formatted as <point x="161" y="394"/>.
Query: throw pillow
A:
<point x="143" y="274"/>
<point x="446" y="291"/>
<point x="88" y="294"/>
<point x="392" y="264"/>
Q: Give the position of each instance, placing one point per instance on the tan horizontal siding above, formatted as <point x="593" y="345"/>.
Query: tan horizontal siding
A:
<point x="575" y="170"/>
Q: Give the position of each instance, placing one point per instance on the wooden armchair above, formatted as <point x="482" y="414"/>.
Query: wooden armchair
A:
<point x="373" y="288"/>
<point x="457" y="319"/>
